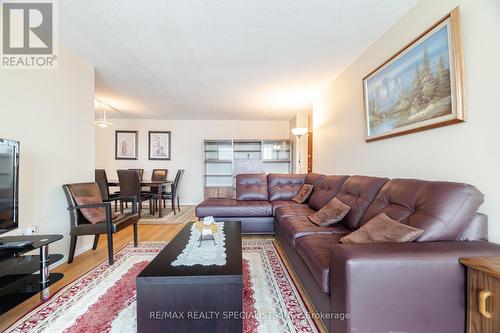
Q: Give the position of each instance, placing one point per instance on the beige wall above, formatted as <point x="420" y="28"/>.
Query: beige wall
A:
<point x="467" y="152"/>
<point x="187" y="146"/>
<point x="51" y="112"/>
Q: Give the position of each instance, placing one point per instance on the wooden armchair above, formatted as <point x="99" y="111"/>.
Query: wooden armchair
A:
<point x="79" y="211"/>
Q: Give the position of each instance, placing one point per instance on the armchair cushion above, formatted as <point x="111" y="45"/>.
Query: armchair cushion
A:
<point x="95" y="214"/>
<point x="119" y="222"/>
<point x="383" y="229"/>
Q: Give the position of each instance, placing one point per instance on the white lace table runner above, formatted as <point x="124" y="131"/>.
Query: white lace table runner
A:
<point x="208" y="253"/>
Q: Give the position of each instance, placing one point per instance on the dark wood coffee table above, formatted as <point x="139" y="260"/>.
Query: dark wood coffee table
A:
<point x="192" y="298"/>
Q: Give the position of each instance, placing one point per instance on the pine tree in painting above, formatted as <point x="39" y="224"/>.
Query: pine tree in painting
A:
<point x="443" y="88"/>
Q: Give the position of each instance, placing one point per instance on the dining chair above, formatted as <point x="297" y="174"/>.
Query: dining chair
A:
<point x="90" y="215"/>
<point x="140" y="172"/>
<point x="102" y="181"/>
<point x="141" y="177"/>
<point x="157" y="174"/>
<point x="130" y="186"/>
<point x="173" y="195"/>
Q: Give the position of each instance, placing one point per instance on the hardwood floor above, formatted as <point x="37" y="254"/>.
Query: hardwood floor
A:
<point x="90" y="259"/>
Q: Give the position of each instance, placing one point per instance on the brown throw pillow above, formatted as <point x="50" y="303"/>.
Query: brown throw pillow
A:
<point x="304" y="193"/>
<point x="333" y="212"/>
<point x="94" y="215"/>
<point x="382" y="229"/>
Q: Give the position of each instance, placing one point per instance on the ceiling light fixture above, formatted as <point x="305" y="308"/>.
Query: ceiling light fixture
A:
<point x="101" y="106"/>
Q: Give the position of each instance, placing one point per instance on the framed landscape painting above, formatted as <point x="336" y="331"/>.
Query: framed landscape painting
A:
<point x="159" y="145"/>
<point x="421" y="87"/>
<point x="126" y="145"/>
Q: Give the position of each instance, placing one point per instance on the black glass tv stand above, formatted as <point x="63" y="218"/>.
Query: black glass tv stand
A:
<point x="23" y="275"/>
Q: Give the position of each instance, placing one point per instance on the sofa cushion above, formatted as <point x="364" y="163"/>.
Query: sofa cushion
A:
<point x="295" y="227"/>
<point x="304" y="193"/>
<point x="284" y="186"/>
<point x="315" y="251"/>
<point x="331" y="213"/>
<point x="382" y="229"/>
<point x="293" y="210"/>
<point x="442" y="209"/>
<point x="325" y="190"/>
<point x="281" y="203"/>
<point x="251" y="187"/>
<point x="233" y="208"/>
<point x="358" y="192"/>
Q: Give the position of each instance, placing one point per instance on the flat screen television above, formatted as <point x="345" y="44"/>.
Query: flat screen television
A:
<point x="9" y="183"/>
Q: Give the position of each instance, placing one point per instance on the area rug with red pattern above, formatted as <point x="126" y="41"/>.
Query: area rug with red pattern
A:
<point x="103" y="300"/>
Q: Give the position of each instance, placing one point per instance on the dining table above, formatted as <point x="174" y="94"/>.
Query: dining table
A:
<point x="159" y="184"/>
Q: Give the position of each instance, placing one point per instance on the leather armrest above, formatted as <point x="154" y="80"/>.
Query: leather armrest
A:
<point x="94" y="205"/>
<point x="409" y="287"/>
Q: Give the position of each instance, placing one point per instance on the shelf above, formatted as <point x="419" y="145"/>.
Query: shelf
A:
<point x="218" y="161"/>
<point x="214" y="186"/>
<point x="17" y="292"/>
<point x="224" y="159"/>
<point x="247" y="141"/>
<point x="247" y="150"/>
<point x="229" y="142"/>
<point x="23" y="265"/>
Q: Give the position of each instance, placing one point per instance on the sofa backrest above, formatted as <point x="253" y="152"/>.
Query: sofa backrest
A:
<point x="251" y="186"/>
<point x="325" y="189"/>
<point x="358" y="192"/>
<point x="476" y="229"/>
<point x="442" y="209"/>
<point x="284" y="186"/>
<point x="314" y="178"/>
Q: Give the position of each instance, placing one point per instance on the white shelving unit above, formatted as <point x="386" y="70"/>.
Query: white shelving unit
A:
<point x="277" y="156"/>
<point x="224" y="159"/>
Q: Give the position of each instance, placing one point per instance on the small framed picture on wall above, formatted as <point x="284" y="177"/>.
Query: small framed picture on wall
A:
<point x="126" y="145"/>
<point x="159" y="145"/>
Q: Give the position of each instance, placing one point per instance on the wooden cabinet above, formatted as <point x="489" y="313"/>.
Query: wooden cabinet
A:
<point x="483" y="294"/>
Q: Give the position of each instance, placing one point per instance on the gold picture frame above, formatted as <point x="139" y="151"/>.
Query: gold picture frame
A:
<point x="420" y="87"/>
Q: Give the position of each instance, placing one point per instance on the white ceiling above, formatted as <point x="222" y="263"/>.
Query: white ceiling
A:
<point x="220" y="59"/>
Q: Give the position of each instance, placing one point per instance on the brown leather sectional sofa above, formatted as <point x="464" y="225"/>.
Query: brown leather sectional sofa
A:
<point x="399" y="287"/>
